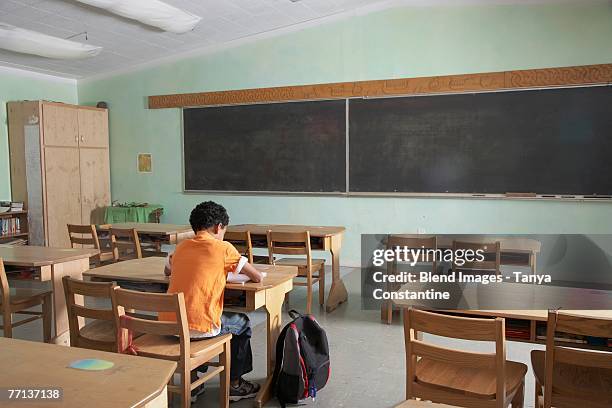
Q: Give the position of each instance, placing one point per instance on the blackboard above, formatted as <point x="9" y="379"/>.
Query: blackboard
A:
<point x="283" y="147"/>
<point x="553" y="141"/>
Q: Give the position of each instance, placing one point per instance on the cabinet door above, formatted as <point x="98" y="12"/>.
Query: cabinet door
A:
<point x="62" y="192"/>
<point x="93" y="127"/>
<point x="95" y="183"/>
<point x="60" y="125"/>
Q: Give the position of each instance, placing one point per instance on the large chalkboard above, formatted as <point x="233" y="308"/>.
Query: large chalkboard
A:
<point x="554" y="141"/>
<point x="284" y="147"/>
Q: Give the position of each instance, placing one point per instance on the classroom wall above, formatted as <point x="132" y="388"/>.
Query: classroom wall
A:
<point x="17" y="86"/>
<point x="400" y="42"/>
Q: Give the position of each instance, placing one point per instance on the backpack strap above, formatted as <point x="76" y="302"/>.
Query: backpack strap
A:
<point x="280" y="345"/>
<point x="294" y="314"/>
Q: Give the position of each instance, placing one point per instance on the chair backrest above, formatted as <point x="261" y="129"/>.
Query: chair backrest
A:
<point x="422" y="243"/>
<point x="173" y="303"/>
<point x="242" y="241"/>
<point x="125" y="244"/>
<point x="476" y="329"/>
<point x="5" y="294"/>
<point x="490" y="250"/>
<point x="289" y="243"/>
<point x="583" y="363"/>
<point x="85" y="236"/>
<point x="99" y="290"/>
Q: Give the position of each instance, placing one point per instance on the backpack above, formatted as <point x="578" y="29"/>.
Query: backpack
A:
<point x="302" y="360"/>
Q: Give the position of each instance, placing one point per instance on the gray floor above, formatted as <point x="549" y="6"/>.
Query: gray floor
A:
<point x="367" y="356"/>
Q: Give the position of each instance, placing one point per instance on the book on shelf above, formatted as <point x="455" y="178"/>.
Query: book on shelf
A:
<point x="10" y="226"/>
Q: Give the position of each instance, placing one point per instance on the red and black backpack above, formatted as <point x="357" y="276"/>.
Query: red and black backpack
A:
<point x="302" y="360"/>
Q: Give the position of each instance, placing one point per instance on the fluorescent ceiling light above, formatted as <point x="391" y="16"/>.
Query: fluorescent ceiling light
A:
<point x="31" y="42"/>
<point x="150" y="12"/>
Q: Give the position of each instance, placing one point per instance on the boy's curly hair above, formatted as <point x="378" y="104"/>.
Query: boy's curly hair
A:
<point x="208" y="214"/>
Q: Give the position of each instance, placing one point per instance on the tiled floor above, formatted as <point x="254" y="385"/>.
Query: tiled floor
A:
<point x="367" y="356"/>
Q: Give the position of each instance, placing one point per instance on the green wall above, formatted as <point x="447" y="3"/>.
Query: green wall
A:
<point x="15" y="86"/>
<point x="401" y="42"/>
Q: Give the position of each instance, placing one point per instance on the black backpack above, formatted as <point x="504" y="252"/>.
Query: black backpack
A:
<point x="302" y="360"/>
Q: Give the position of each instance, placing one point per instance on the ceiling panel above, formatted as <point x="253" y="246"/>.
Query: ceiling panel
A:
<point x="128" y="43"/>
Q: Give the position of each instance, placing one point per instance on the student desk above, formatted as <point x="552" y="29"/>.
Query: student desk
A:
<point x="321" y="239"/>
<point x="170" y="234"/>
<point x="524" y="325"/>
<point x="51" y="264"/>
<point x="422" y="404"/>
<point x="268" y="294"/>
<point x="131" y="382"/>
<point x="515" y="251"/>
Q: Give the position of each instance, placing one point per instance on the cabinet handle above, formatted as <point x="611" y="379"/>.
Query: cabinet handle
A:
<point x="76" y="138"/>
<point x="82" y="139"/>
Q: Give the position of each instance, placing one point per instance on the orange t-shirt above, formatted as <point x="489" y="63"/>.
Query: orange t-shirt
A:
<point x="199" y="270"/>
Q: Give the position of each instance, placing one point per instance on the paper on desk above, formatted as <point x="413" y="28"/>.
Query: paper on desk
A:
<point x="239" y="277"/>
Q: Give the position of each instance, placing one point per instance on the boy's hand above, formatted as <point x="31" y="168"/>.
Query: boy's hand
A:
<point x="250" y="271"/>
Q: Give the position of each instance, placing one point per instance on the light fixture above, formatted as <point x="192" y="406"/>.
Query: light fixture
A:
<point x="31" y="42"/>
<point x="150" y="12"/>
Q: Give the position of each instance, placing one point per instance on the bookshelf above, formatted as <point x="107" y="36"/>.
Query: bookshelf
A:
<point x="14" y="228"/>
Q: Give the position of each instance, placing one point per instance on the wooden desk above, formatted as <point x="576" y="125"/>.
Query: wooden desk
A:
<point x="508" y="245"/>
<point x="51" y="264"/>
<point x="422" y="404"/>
<point x="522" y="295"/>
<point x="269" y="294"/>
<point x="132" y="382"/>
<point x="170" y="234"/>
<point x="321" y="239"/>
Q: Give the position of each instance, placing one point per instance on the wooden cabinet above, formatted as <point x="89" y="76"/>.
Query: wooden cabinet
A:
<point x="59" y="165"/>
<point x="93" y="128"/>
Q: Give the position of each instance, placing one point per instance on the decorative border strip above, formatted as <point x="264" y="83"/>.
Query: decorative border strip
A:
<point x="531" y="78"/>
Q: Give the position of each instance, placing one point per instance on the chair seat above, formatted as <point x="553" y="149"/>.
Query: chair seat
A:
<point x="301" y="263"/>
<point x="106" y="256"/>
<point x="480" y="383"/>
<point x="168" y="347"/>
<point x="24" y="295"/>
<point x="572" y="379"/>
<point x="100" y="330"/>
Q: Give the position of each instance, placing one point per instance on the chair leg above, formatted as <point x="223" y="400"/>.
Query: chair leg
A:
<point x="7" y="323"/>
<point x="322" y="285"/>
<point x="186" y="387"/>
<point x="538" y="393"/>
<point x="519" y="397"/>
<point x="46" y="318"/>
<point x="309" y="293"/>
<point x="225" y="359"/>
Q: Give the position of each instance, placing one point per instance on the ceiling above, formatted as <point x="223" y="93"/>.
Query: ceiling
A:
<point x="128" y="43"/>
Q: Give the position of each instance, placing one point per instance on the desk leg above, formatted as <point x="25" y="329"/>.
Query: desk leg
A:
<point x="337" y="293"/>
<point x="75" y="270"/>
<point x="274" y="304"/>
<point x="533" y="261"/>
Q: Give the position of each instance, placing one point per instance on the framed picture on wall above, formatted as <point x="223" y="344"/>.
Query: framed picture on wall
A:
<point x="145" y="162"/>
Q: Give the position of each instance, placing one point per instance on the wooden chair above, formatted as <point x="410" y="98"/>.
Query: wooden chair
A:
<point x="298" y="243"/>
<point x="456" y="377"/>
<point x="490" y="250"/>
<point x="170" y="340"/>
<point x="18" y="301"/>
<point x="100" y="334"/>
<point x="242" y="242"/>
<point x="125" y="244"/>
<point x="86" y="236"/>
<point x="567" y="377"/>
<point x="395" y="241"/>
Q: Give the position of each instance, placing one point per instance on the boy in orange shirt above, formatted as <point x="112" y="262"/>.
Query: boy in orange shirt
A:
<point x="198" y="268"/>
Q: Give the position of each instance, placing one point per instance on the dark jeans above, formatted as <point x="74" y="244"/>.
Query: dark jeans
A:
<point x="239" y="326"/>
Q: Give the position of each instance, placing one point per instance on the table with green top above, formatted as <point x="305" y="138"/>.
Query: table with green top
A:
<point x="148" y="213"/>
